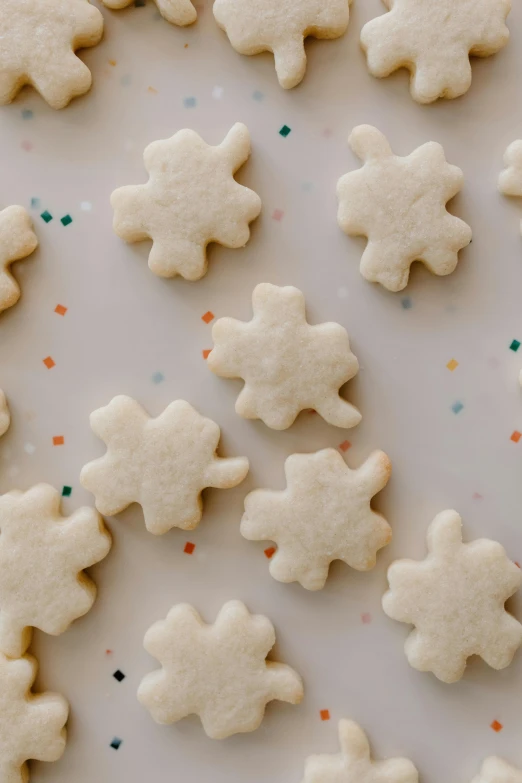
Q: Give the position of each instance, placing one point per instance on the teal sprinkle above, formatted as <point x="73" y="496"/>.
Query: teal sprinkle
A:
<point x="46" y="216"/>
<point x="257" y="95"/>
<point x="457" y="407"/>
<point x="66" y="220"/>
<point x="116" y="743"/>
<point x="35" y="202"/>
<point x="515" y="345"/>
<point x="406" y="303"/>
<point x="158" y="377"/>
<point x="189" y="103"/>
<point x="285" y="131"/>
<point x="66" y="491"/>
<point x="27" y="114"/>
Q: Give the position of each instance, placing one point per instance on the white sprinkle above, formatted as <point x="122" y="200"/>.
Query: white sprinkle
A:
<point x="29" y="448"/>
<point x="342" y="293"/>
<point x="217" y="93"/>
<point x="86" y="206"/>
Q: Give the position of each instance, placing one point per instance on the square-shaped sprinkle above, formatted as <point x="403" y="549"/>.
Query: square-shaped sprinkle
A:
<point x="66" y="491"/>
<point x="66" y="220"/>
<point x="46" y="216"/>
<point x="285" y="131"/>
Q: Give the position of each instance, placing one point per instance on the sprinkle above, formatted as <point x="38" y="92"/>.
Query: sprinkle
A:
<point x="60" y="309"/>
<point x="345" y="445"/>
<point x="517" y="563"/>
<point x="452" y="365"/>
<point x="158" y="377"/>
<point x="66" y="220"/>
<point x="307" y="186"/>
<point x="325" y="714"/>
<point x="217" y="93"/>
<point x="66" y="491"/>
<point x="270" y="552"/>
<point x="277" y="214"/>
<point x="206" y="352"/>
<point x="366" y="618"/>
<point x="112" y="62"/>
<point x="126" y="79"/>
<point x="327" y="133"/>
<point x="58" y="440"/>
<point x="208" y="316"/>
<point x="477" y="496"/>
<point x="27" y="146"/>
<point x="515" y="345"/>
<point x="27" y="114"/>
<point x="257" y="95"/>
<point x="457" y="406"/>
<point x="189" y="102"/>
<point x="189" y="548"/>
<point x="515" y="436"/>
<point x="152" y="90"/>
<point x="86" y="206"/>
<point x="35" y="202"/>
<point x="117" y="741"/>
<point x="285" y="131"/>
<point x="29" y="448"/>
<point x="49" y="362"/>
<point x="118" y="675"/>
<point x="46" y="216"/>
<point x="406" y="303"/>
<point x="496" y="726"/>
<point x="108" y="652"/>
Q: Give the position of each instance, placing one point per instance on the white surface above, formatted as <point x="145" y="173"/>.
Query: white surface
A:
<point x="123" y="324"/>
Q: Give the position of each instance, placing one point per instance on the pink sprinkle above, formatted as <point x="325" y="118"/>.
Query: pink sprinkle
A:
<point x="366" y="618"/>
<point x="277" y="214"/>
<point x="27" y="146"/>
<point x="477" y="496"/>
<point x="327" y="133"/>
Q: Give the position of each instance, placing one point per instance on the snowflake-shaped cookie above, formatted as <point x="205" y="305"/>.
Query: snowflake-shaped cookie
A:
<point x="434" y="40"/>
<point x="163" y="464"/>
<point x="455" y="599"/>
<point x="496" y="770"/>
<point x="218" y="671"/>
<point x="42" y="557"/>
<point x="400" y="205"/>
<point x="39" y="40"/>
<point x="191" y="199"/>
<point x="5" y="418"/>
<point x="31" y="725"/>
<point x="287" y="365"/>
<point x="17" y="240"/>
<point x="180" y="12"/>
<point x="280" y="26"/>
<point x="323" y="515"/>
<point x="510" y="179"/>
<point x="354" y="763"/>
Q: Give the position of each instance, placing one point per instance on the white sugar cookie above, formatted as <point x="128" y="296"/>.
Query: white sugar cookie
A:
<point x="280" y="26"/>
<point x="180" y="12"/>
<point x="400" y="205"/>
<point x="496" y="770"/>
<point x="190" y="200"/>
<point x="163" y="464"/>
<point x="5" y="418"/>
<point x="39" y="40"/>
<point x="455" y="599"/>
<point x="17" y="240"/>
<point x="42" y="557"/>
<point x="287" y="365"/>
<point x="218" y="671"/>
<point x="510" y="179"/>
<point x="31" y="725"/>
<point x="354" y="763"/>
<point x="324" y="514"/>
<point x="434" y="40"/>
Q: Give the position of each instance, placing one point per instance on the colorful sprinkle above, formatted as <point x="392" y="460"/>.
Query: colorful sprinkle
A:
<point x="158" y="377"/>
<point x="277" y="214"/>
<point x="206" y="352"/>
<point x="35" y="202"/>
<point x="49" y="362"/>
<point x="208" y="316"/>
<point x="366" y="618"/>
<point x="257" y="95"/>
<point x="307" y="186"/>
<point x="86" y="206"/>
<point x="27" y="146"/>
<point x="285" y="131"/>
<point x="116" y="742"/>
<point x="112" y="62"/>
<point x="46" y="216"/>
<point x="217" y="93"/>
<point x="496" y="726"/>
<point x="118" y="675"/>
<point x="66" y="220"/>
<point x="457" y="407"/>
<point x="325" y="714"/>
<point x="66" y="491"/>
<point x="189" y="548"/>
<point x="58" y="440"/>
<point x="452" y="365"/>
<point x="406" y="303"/>
<point x="108" y="652"/>
<point x="27" y="114"/>
<point x="152" y="90"/>
<point x="515" y="436"/>
<point x="345" y="445"/>
<point x="29" y="448"/>
<point x="477" y="496"/>
<point x="189" y="102"/>
<point x="515" y="345"/>
<point x="270" y="552"/>
<point x="126" y="79"/>
<point x="60" y="309"/>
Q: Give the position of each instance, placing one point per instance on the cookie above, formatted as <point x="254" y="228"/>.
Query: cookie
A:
<point x="399" y="204"/>
<point x="190" y="200"/>
<point x="218" y="671"/>
<point x="39" y="40"/>
<point x="354" y="763"/>
<point x="287" y="365"/>
<point x="42" y="557"/>
<point x="31" y="725"/>
<point x="5" y="418"/>
<point x="180" y="12"/>
<point x="434" y="40"/>
<point x="496" y="770"/>
<point x="163" y="464"/>
<point x="324" y="514"/>
<point x="280" y="26"/>
<point x="17" y="240"/>
<point x="510" y="179"/>
<point x="455" y="599"/>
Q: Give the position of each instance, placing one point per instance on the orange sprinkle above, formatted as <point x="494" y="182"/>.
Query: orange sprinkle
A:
<point x="189" y="548"/>
<point x="112" y="62"/>
<point x="452" y="365"/>
<point x="345" y="445"/>
<point x="325" y="714"/>
<point x="515" y="437"/>
<point x="206" y="353"/>
<point x="270" y="552"/>
<point x="58" y="440"/>
<point x="49" y="362"/>
<point x="152" y="90"/>
<point x="186" y="46"/>
<point x="208" y="317"/>
<point x="108" y="652"/>
<point x="60" y="309"/>
<point x="496" y="726"/>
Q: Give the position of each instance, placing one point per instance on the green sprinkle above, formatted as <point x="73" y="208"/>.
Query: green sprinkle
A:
<point x="27" y="114"/>
<point x="66" y="491"/>
<point x="457" y="407"/>
<point x="515" y="345"/>
<point x="285" y="130"/>
<point x="66" y="220"/>
<point x="46" y="216"/>
<point x="406" y="303"/>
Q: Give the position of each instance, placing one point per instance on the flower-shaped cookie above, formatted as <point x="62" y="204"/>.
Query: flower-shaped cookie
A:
<point x="42" y="557"/>
<point x="354" y="763"/>
<point x="163" y="464"/>
<point x="280" y="26"/>
<point x="455" y="599"/>
<point x="180" y="12"/>
<point x="434" y="40"/>
<point x="400" y="205"/>
<point x="218" y="671"/>
<point x="510" y="179"/>
<point x="323" y="515"/>
<point x="287" y="365"/>
<point x="496" y="770"/>
<point x="5" y="418"/>
<point x="31" y="725"/>
<point x="39" y="40"/>
<point x="17" y="240"/>
<point x="191" y="199"/>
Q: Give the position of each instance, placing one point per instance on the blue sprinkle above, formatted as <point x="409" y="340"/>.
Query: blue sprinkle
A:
<point x="257" y="95"/>
<point x="27" y="114"/>
<point x="116" y="743"/>
<point x="189" y="103"/>
<point x="126" y="79"/>
<point x="158" y="377"/>
<point x="35" y="203"/>
<point x="406" y="303"/>
<point x="457" y="407"/>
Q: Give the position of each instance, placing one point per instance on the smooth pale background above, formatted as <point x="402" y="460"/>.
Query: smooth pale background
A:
<point x="123" y="324"/>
